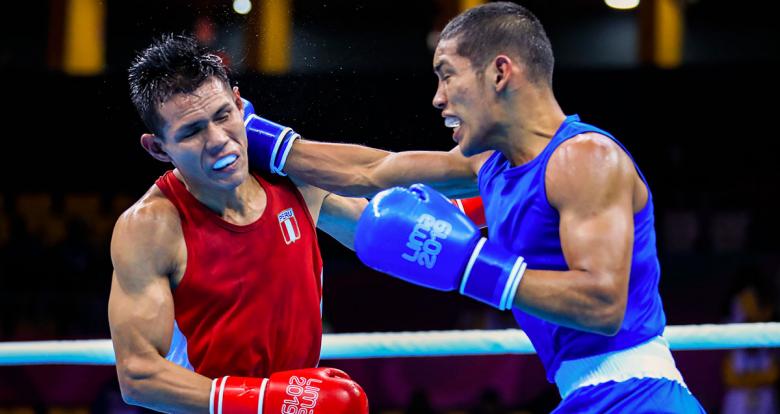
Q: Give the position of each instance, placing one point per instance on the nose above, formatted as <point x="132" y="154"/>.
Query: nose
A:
<point x="439" y="98"/>
<point x="216" y="138"/>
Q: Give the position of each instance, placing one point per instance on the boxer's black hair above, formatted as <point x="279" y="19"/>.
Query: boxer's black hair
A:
<point x="172" y="64"/>
<point x="485" y="31"/>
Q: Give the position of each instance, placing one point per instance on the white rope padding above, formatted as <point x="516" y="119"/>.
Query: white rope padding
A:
<point x="411" y="344"/>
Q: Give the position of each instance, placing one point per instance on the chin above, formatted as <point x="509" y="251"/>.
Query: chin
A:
<point x="472" y="145"/>
<point x="232" y="181"/>
<point x="238" y="179"/>
<point x="468" y="150"/>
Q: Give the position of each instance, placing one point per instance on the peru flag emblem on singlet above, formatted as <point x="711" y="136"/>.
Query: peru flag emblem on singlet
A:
<point x="289" y="225"/>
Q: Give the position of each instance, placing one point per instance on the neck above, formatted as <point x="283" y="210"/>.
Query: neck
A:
<point x="234" y="205"/>
<point x="534" y="118"/>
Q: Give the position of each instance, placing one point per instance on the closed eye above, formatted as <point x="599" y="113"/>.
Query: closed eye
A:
<point x="223" y="114"/>
<point x="188" y="133"/>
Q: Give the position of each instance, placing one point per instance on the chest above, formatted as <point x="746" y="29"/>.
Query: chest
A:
<point x="516" y="207"/>
<point x="521" y="219"/>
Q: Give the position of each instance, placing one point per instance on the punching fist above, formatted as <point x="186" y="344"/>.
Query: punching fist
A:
<point x="268" y="143"/>
<point x="249" y="109"/>
<point x="418" y="235"/>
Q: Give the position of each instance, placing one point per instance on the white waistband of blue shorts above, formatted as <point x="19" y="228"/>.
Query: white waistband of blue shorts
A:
<point x="651" y="359"/>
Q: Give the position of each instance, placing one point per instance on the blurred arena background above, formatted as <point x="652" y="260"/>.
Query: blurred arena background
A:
<point x="690" y="86"/>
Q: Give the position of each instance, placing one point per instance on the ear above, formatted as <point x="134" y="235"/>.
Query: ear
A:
<point x="154" y="146"/>
<point x="237" y="99"/>
<point x="503" y="71"/>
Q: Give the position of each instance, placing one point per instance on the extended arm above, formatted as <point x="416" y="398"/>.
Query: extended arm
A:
<point x="354" y="170"/>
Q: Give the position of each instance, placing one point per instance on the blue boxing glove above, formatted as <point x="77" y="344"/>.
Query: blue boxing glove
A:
<point x="417" y="235"/>
<point x="268" y="143"/>
<point x="249" y="109"/>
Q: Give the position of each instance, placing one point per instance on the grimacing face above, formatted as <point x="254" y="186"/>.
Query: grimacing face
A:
<point x="204" y="135"/>
<point x="463" y="96"/>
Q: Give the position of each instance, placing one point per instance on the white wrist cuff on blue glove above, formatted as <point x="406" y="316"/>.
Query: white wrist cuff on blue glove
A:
<point x="286" y="147"/>
<point x="494" y="283"/>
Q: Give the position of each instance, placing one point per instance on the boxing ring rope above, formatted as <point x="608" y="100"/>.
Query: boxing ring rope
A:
<point x="411" y="344"/>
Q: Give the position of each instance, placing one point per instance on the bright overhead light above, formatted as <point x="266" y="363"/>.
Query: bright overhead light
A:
<point x="242" y="6"/>
<point x="622" y="4"/>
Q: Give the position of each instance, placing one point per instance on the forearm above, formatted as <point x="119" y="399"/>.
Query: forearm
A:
<point x="574" y="299"/>
<point x="354" y="170"/>
<point x="164" y="386"/>
<point x="339" y="217"/>
<point x="344" y="169"/>
<point x="358" y="171"/>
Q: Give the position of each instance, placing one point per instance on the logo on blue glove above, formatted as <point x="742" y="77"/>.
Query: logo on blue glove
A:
<point x="423" y="240"/>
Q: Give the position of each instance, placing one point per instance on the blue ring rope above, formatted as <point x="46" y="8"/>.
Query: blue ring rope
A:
<point x="411" y="344"/>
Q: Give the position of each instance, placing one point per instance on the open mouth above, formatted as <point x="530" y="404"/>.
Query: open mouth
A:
<point x="451" y="122"/>
<point x="224" y="162"/>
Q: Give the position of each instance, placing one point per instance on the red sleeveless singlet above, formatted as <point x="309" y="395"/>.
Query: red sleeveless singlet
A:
<point x="249" y="301"/>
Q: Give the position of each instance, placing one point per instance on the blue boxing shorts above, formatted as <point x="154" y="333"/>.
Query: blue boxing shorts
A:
<point x="635" y="396"/>
<point x="641" y="379"/>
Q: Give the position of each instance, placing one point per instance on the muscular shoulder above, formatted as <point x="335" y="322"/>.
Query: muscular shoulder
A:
<point x="589" y="166"/>
<point x="147" y="235"/>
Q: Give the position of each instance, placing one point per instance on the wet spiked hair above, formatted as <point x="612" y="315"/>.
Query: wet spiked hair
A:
<point x="172" y="64"/>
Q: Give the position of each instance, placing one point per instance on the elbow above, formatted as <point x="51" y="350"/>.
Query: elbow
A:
<point x="131" y="392"/>
<point x="609" y="309"/>
<point x="357" y="183"/>
<point x="365" y="184"/>
<point x="609" y="325"/>
<point x="133" y="375"/>
<point x="130" y="395"/>
<point x="370" y="178"/>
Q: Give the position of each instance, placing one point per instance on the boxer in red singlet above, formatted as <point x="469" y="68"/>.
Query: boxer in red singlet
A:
<point x="216" y="291"/>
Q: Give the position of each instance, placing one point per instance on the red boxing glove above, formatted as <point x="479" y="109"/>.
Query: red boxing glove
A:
<point x="300" y="391"/>
<point x="473" y="209"/>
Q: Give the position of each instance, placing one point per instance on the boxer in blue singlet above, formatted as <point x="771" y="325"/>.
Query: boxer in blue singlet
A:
<point x="571" y="246"/>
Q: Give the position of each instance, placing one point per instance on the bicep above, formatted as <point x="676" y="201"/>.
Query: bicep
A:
<point x="140" y="317"/>
<point x="339" y="217"/>
<point x="597" y="240"/>
<point x="140" y="307"/>
<point x="590" y="184"/>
